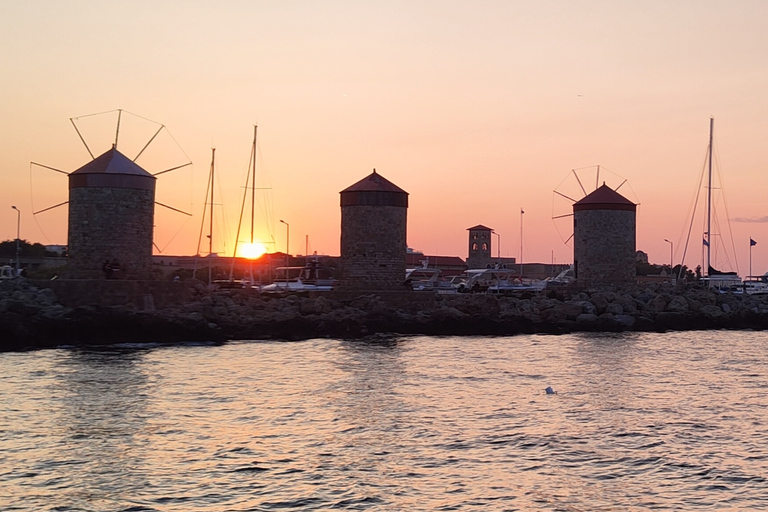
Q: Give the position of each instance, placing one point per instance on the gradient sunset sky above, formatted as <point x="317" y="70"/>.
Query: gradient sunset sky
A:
<point x="477" y="109"/>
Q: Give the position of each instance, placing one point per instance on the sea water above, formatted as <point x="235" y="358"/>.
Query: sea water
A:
<point x="642" y="421"/>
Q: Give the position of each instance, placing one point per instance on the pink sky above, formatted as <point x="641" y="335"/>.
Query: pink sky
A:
<point x="477" y="109"/>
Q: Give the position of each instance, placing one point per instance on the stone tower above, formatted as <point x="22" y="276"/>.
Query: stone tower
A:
<point x="479" y="250"/>
<point x="604" y="238"/>
<point x="111" y="216"/>
<point x="373" y="235"/>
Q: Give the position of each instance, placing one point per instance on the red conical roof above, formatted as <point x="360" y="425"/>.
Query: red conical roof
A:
<point x="604" y="198"/>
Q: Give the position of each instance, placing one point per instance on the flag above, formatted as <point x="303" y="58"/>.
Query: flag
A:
<point x="752" y="242"/>
<point x="521" y="211"/>
<point x="706" y="244"/>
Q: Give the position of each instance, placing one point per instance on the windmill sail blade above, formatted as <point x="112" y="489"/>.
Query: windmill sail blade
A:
<point x="565" y="196"/>
<point x="48" y="167"/>
<point x="172" y="208"/>
<point x="50" y="208"/>
<point x="172" y="169"/>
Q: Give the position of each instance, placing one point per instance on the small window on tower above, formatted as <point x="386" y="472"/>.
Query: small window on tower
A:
<point x="485" y="247"/>
<point x="474" y="247"/>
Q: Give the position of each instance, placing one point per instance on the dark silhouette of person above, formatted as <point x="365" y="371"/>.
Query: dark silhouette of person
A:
<point x="115" y="267"/>
<point x="107" y="269"/>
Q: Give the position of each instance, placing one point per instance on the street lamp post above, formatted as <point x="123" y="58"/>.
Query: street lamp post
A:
<point x="498" y="248"/>
<point x="671" y="251"/>
<point x="287" y="239"/>
<point x="18" y="237"/>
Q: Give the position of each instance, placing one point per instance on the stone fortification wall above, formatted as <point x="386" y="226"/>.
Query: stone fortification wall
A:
<point x="139" y="295"/>
<point x="373" y="246"/>
<point x="110" y="223"/>
<point x="604" y="246"/>
<point x="34" y="316"/>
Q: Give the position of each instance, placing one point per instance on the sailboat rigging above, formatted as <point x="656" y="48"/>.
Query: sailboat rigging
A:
<point x="210" y="189"/>
<point x="253" y="249"/>
<point x="714" y="277"/>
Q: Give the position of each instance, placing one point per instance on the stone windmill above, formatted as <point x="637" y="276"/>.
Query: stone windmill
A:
<point x="111" y="213"/>
<point x="603" y="229"/>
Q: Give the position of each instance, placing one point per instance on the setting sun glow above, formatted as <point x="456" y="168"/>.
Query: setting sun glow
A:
<point x="252" y="251"/>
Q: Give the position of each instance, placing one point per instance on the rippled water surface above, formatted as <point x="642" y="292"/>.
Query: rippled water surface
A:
<point x="673" y="421"/>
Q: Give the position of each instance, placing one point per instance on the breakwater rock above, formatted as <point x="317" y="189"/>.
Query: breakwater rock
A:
<point x="32" y="316"/>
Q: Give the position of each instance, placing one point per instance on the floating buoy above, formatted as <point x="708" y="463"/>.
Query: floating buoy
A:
<point x="550" y="391"/>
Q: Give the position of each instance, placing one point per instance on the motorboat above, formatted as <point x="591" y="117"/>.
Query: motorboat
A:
<point x="752" y="285"/>
<point x="422" y="278"/>
<point x="311" y="277"/>
<point x="497" y="281"/>
<point x="8" y="272"/>
<point x="565" y="277"/>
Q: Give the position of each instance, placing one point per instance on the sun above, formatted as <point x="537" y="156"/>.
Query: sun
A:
<point x="252" y="251"/>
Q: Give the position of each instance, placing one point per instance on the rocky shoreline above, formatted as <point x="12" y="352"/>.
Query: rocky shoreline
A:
<point x="32" y="317"/>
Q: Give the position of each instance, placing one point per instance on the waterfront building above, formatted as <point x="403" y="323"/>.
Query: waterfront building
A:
<point x="480" y="249"/>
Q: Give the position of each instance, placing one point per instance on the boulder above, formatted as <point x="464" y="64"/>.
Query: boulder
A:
<point x="625" y="320"/>
<point x="586" y="318"/>
<point x="711" y="312"/>
<point x="573" y="310"/>
<point x="677" y="304"/>
<point x="599" y="301"/>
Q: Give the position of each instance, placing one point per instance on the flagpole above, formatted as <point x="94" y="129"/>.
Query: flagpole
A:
<point x="750" y="256"/>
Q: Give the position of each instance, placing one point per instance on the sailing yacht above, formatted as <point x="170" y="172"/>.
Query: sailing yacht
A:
<point x="715" y="279"/>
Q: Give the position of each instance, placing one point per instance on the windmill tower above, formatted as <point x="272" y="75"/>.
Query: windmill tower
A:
<point x="604" y="233"/>
<point x="373" y="234"/>
<point x="111" y="214"/>
<point x="111" y="218"/>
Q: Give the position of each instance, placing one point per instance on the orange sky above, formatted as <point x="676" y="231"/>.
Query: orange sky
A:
<point x="477" y="109"/>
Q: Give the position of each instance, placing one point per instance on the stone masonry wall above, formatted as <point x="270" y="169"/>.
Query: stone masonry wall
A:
<point x="373" y="245"/>
<point x="107" y="224"/>
<point x="604" y="246"/>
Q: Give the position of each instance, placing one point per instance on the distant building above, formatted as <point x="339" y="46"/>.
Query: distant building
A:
<point x="59" y="250"/>
<point x="373" y="234"/>
<point x="448" y="265"/>
<point x="480" y="249"/>
<point x="604" y="226"/>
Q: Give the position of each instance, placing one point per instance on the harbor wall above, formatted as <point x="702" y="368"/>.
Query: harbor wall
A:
<point x="139" y="295"/>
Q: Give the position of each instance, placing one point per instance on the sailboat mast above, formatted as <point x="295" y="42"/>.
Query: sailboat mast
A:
<point x="210" y="230"/>
<point x="253" y="181"/>
<point x="709" y="196"/>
